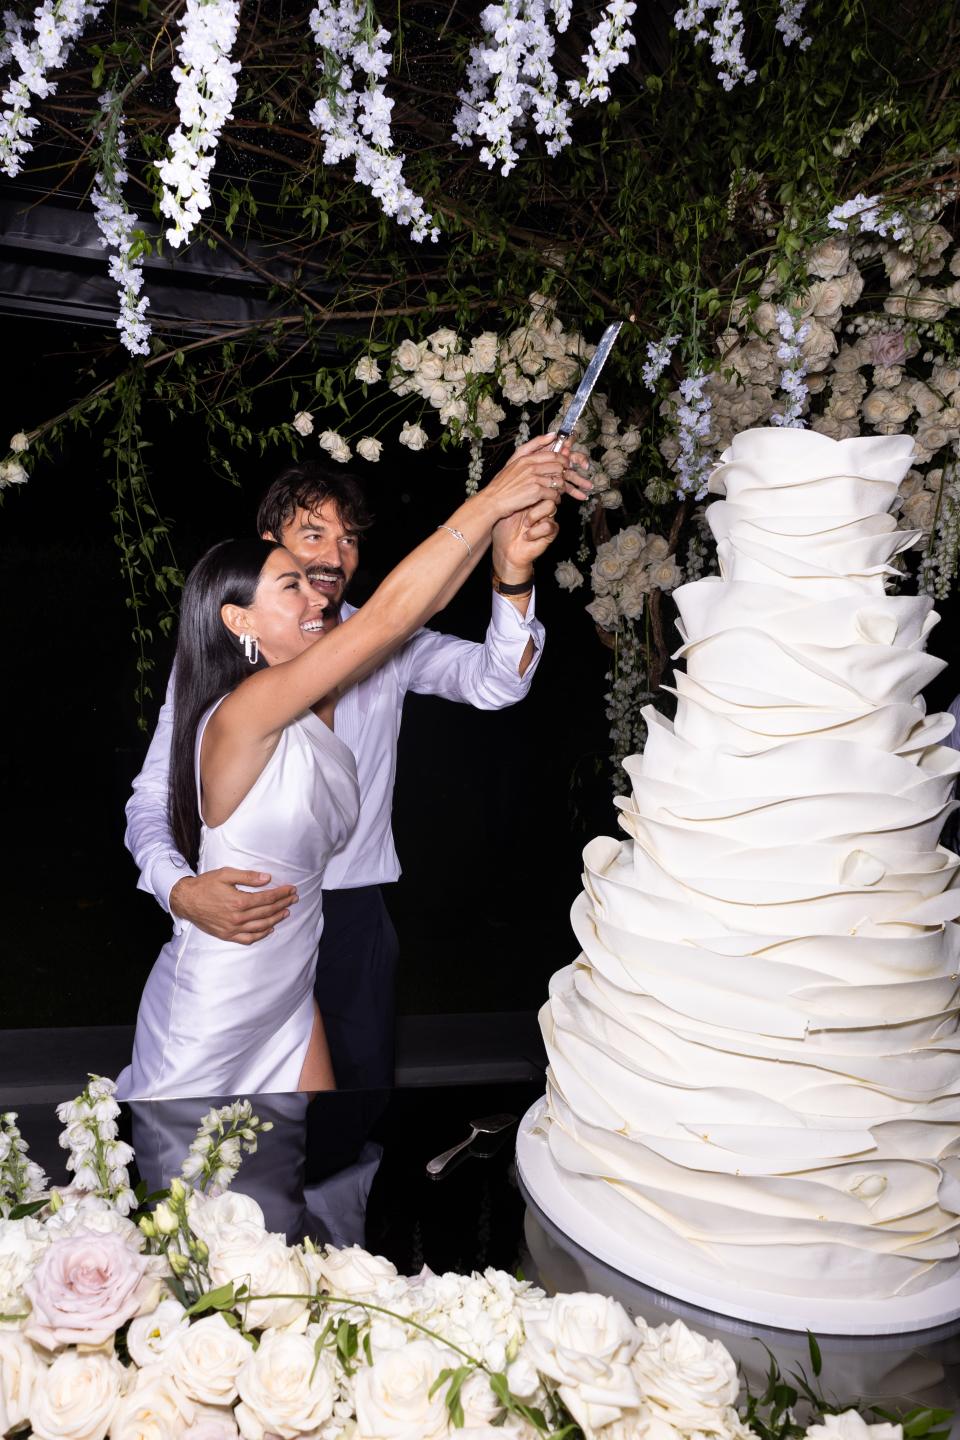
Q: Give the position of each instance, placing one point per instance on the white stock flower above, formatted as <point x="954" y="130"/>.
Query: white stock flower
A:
<point x="393" y="1395"/>
<point x="567" y="575"/>
<point x="367" y="370"/>
<point x="206" y="1358"/>
<point x="153" y="1410"/>
<point x="21" y="1370"/>
<point x="76" y="1398"/>
<point x="285" y="1389"/>
<point x="303" y="422"/>
<point x="369" y="449"/>
<point x="151" y="1336"/>
<point x="413" y="436"/>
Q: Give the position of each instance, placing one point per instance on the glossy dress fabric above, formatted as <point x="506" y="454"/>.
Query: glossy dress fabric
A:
<point x="218" y="1018"/>
<point x="755" y="1062"/>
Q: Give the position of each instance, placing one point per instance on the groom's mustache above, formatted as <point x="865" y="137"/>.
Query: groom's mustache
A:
<point x="326" y="572"/>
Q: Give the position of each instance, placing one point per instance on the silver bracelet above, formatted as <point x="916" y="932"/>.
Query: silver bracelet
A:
<point x="458" y="535"/>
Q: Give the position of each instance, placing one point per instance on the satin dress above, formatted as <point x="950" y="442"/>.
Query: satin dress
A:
<point x="219" y="1018"/>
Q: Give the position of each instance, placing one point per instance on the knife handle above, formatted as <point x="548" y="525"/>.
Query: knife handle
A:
<point x="558" y="444"/>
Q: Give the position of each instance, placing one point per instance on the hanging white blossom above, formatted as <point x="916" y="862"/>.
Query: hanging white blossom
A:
<point x="206" y="89"/>
<point x="58" y="25"/>
<point x="355" y="123"/>
<point x="788" y="23"/>
<point x="510" y="76"/>
<point x="866" y="211"/>
<point x="658" y="358"/>
<point x="693" y="427"/>
<point x="725" y="36"/>
<point x="116" y="225"/>
<point x="792" y="376"/>
<point x="610" y="42"/>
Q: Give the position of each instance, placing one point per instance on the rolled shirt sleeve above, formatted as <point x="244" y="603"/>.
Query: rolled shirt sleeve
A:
<point x="488" y="675"/>
<point x="148" y="836"/>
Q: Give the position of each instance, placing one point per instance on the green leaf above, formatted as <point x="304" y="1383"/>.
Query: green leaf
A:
<point x="29" y="1207"/>
<point x="816" y="1359"/>
<point x="220" y="1299"/>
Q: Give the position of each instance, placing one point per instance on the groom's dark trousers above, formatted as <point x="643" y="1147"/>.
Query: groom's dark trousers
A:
<point x="356" y="978"/>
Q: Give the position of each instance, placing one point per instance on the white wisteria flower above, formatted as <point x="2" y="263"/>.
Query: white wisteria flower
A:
<point x="206" y="89"/>
<point x="725" y="36"/>
<point x="610" y="42"/>
<point x="117" y="225"/>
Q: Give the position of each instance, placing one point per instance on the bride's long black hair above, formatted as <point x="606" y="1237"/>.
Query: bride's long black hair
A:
<point x="209" y="662"/>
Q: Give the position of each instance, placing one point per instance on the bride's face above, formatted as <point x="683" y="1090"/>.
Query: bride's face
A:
<point x="287" y="614"/>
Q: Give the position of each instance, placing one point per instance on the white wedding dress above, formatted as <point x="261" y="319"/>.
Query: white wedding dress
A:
<point x="218" y="1018"/>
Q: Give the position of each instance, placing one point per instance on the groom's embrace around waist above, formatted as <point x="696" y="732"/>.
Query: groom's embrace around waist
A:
<point x="320" y="516"/>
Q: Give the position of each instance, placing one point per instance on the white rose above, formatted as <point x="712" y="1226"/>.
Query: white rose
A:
<point x="22" y="1242"/>
<point x="931" y="243"/>
<point x="430" y="368"/>
<point x="611" y="499"/>
<point x="369" y="449"/>
<point x="285" y="1389"/>
<point x="924" y="399"/>
<point x="335" y="446"/>
<point x="407" y="355"/>
<point x="630" y="440"/>
<point x="656" y="548"/>
<point x="819" y="345"/>
<point x="540" y="390"/>
<point x="955" y="263"/>
<point x="836" y="429"/>
<point x="77" y="1397"/>
<point x="95" y="1221"/>
<point x="517" y="390"/>
<point x="899" y="265"/>
<point x="393" y="1395"/>
<point x="615" y="462"/>
<point x="353" y="1272"/>
<point x="562" y="372"/>
<point x="630" y="542"/>
<point x="585" y="1344"/>
<point x="926" y="304"/>
<point x="402" y="384"/>
<point x="438" y="392"/>
<point x="891" y="406"/>
<point x="21" y="1370"/>
<point x="270" y="1268"/>
<point x="825" y="300"/>
<point x="12" y="473"/>
<point x="919" y="511"/>
<point x="211" y="1423"/>
<point x="931" y="436"/>
<point x="303" y="422"/>
<point x="367" y="370"/>
<point x="945" y="378"/>
<point x="443" y="342"/>
<point x="851" y="357"/>
<point x="453" y="412"/>
<point x="483" y="352"/>
<point x="852" y="1426"/>
<point x="413" y="436"/>
<point x="206" y="1359"/>
<point x="631" y="600"/>
<point x="454" y="369"/>
<point x="666" y="574"/>
<point x="150" y="1336"/>
<point x="830" y="257"/>
<point x="887" y="377"/>
<point x="692" y="1379"/>
<point x="567" y="576"/>
<point x="154" y="1410"/>
<point x="19" y="442"/>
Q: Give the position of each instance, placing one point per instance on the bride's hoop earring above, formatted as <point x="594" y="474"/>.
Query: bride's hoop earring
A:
<point x="251" y="648"/>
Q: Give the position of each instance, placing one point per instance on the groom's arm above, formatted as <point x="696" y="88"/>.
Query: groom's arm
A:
<point x="210" y="901"/>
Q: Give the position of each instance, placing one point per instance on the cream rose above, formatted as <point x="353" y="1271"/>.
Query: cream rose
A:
<point x="819" y="345"/>
<point x="84" y="1288"/>
<point x="367" y="371"/>
<point x="926" y="304"/>
<point x="369" y="449"/>
<point x="630" y="542"/>
<point x="562" y="372"/>
<point x="413" y="436"/>
<point x="945" y="378"/>
<point x="285" y="1389"/>
<point x="923" y="399"/>
<point x="154" y="1410"/>
<point x="335" y="446"/>
<point x="353" y="1272"/>
<point x="303" y="422"/>
<point x="12" y="473"/>
<point x="852" y="1426"/>
<point x="656" y="548"/>
<point x="21" y="1370"/>
<point x="692" y="1380"/>
<point x="830" y="257"/>
<point x="393" y="1395"/>
<point x="77" y="1397"/>
<point x="150" y="1336"/>
<point x="269" y="1267"/>
<point x="443" y="342"/>
<point x="407" y="355"/>
<point x="455" y="369"/>
<point x="889" y="348"/>
<point x="585" y="1344"/>
<point x="483" y="352"/>
<point x="430" y="368"/>
<point x="611" y="499"/>
<point x="615" y="462"/>
<point x="22" y="1242"/>
<point x="603" y="612"/>
<point x="919" y="511"/>
<point x="211" y="1423"/>
<point x="453" y="412"/>
<point x="206" y="1359"/>
<point x="567" y="576"/>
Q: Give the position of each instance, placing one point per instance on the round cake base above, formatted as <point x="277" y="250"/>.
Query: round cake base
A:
<point x="567" y="1204"/>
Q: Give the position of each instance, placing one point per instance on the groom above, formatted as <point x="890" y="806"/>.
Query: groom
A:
<point x="320" y="515"/>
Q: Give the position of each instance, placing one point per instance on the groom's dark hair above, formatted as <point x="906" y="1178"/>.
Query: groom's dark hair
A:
<point x="307" y="487"/>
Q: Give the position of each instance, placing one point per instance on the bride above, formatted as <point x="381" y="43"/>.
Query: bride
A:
<point x="259" y="781"/>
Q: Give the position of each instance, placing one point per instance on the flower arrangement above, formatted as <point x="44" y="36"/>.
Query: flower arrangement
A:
<point x="192" y="1320"/>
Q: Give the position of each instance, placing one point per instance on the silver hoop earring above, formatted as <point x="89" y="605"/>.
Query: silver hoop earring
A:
<point x="251" y="648"/>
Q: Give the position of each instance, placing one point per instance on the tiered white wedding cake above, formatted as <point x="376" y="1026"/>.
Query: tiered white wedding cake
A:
<point x="754" y="1089"/>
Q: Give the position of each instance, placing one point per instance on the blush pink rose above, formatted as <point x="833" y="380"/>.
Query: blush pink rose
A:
<point x="889" y="348"/>
<point x="84" y="1288"/>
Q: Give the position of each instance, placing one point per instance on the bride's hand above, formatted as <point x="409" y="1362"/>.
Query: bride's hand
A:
<point x="535" y="472"/>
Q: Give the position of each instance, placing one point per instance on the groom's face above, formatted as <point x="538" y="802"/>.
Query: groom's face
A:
<point x="326" y="548"/>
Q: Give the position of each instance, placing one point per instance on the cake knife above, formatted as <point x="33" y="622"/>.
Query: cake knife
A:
<point x="590" y="377"/>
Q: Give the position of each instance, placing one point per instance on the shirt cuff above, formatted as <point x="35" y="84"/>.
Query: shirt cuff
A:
<point x="159" y="878"/>
<point x="506" y="620"/>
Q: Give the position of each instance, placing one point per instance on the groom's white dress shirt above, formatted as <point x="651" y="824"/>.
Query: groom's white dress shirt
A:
<point x="367" y="718"/>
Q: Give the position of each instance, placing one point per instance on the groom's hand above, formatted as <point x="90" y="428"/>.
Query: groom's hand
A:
<point x="213" y="903"/>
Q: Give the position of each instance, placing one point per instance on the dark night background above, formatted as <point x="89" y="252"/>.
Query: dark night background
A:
<point x="491" y="809"/>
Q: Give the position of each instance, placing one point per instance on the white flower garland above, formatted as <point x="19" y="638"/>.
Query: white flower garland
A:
<point x="206" y="89"/>
<point x="58" y="25"/>
<point x="116" y="224"/>
<point x="510" y="76"/>
<point x="356" y="123"/>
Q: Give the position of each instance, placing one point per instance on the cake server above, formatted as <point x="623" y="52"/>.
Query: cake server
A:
<point x="490" y="1125"/>
<point x="587" y="382"/>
